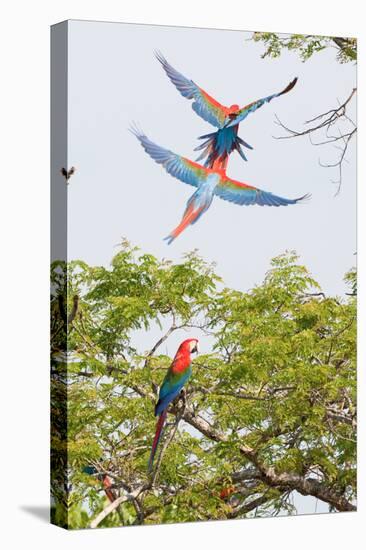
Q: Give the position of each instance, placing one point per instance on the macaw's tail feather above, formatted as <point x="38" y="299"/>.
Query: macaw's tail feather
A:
<point x="190" y="216"/>
<point x="239" y="140"/>
<point x="219" y="145"/>
<point x="158" y="432"/>
<point x="168" y="239"/>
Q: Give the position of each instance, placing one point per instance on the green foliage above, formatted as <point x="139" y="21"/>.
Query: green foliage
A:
<point x="280" y="379"/>
<point x="306" y="45"/>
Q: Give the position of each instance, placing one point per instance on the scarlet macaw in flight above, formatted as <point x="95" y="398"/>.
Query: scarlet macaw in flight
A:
<point x="209" y="182"/>
<point x="178" y="373"/>
<point x="219" y="144"/>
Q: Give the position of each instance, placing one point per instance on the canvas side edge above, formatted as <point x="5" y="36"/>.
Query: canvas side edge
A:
<point x="58" y="275"/>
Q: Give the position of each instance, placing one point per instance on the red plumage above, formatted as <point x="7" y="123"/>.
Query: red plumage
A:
<point x="226" y="492"/>
<point x="188" y="217"/>
<point x="159" y="427"/>
<point x="177" y="375"/>
<point x="182" y="358"/>
<point x="107" y="484"/>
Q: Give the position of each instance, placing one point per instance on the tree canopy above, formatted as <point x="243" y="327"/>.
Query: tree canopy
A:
<point x="307" y="45"/>
<point x="270" y="408"/>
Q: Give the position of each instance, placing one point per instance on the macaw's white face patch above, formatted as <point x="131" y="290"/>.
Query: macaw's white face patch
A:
<point x="194" y="346"/>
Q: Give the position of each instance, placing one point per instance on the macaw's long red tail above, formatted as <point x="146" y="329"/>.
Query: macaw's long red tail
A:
<point x="190" y="215"/>
<point x="158" y="432"/>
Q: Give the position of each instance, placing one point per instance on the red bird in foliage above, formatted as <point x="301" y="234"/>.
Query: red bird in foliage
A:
<point x="178" y="374"/>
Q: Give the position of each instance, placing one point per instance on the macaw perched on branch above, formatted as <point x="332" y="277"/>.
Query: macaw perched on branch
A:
<point x="105" y="479"/>
<point x="219" y="144"/>
<point x="178" y="374"/>
<point x="209" y="183"/>
<point x="107" y="484"/>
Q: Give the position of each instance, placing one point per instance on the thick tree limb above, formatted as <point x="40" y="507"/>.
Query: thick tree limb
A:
<point x="341" y="417"/>
<point x="305" y="486"/>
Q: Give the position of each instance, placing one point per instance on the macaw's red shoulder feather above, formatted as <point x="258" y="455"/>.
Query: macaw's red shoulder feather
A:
<point x="207" y="107"/>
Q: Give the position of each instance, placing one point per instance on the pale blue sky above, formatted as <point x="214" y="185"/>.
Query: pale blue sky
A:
<point x="118" y="191"/>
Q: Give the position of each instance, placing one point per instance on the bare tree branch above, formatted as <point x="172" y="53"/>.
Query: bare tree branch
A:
<point x="160" y="342"/>
<point x="324" y="122"/>
<point x="246" y="507"/>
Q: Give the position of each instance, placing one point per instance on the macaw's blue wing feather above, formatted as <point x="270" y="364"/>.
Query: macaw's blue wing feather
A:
<point x="177" y="166"/>
<point x="240" y="115"/>
<point x="163" y="402"/>
<point x="243" y="194"/>
<point x="204" y="105"/>
<point x="184" y="85"/>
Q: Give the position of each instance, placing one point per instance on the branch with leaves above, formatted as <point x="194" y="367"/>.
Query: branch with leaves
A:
<point x="307" y="45"/>
<point x="335" y="126"/>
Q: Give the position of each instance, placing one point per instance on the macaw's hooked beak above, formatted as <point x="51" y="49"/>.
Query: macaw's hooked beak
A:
<point x="196" y="348"/>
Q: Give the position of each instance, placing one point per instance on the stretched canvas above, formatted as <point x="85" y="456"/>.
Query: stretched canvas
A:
<point x="203" y="279"/>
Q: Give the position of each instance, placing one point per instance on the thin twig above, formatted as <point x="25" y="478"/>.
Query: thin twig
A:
<point x="325" y="121"/>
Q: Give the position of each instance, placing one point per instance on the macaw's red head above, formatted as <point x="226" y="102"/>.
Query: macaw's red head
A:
<point x="189" y="346"/>
<point x="233" y="109"/>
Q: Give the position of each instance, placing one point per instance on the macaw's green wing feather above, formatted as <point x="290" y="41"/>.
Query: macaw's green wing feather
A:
<point x="204" y="105"/>
<point x="244" y="194"/>
<point x="171" y="387"/>
<point x="177" y="166"/>
<point x="240" y="115"/>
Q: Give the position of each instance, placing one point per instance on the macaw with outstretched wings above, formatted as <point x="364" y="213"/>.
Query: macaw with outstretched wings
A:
<point x="209" y="183"/>
<point x="217" y="145"/>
